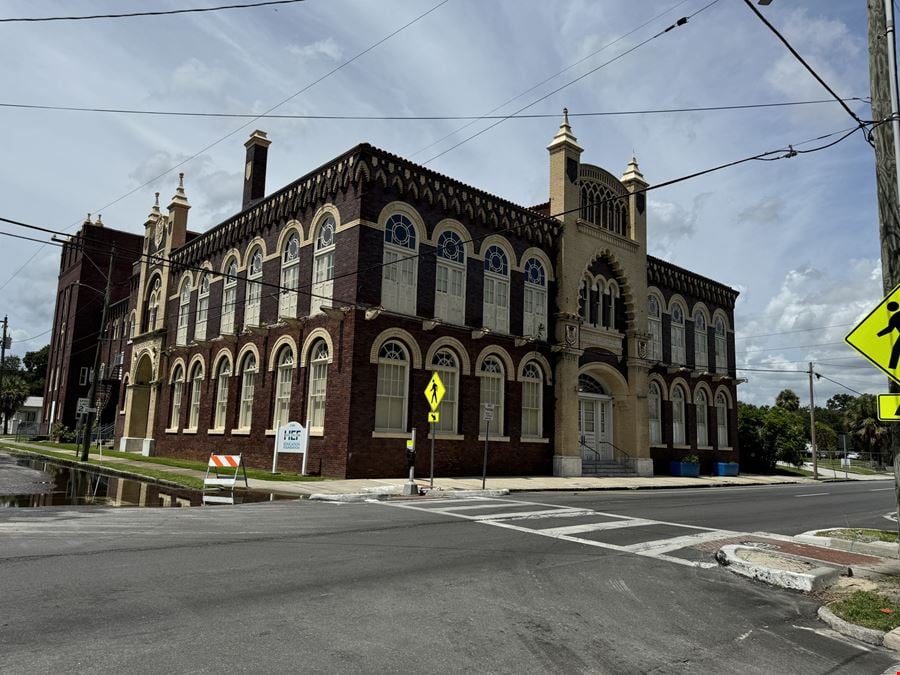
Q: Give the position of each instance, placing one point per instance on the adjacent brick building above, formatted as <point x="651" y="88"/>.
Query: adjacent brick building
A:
<point x="332" y="300"/>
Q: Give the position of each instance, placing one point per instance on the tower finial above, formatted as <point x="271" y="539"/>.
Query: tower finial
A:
<point x="181" y="180"/>
<point x="566" y="116"/>
<point x="156" y="203"/>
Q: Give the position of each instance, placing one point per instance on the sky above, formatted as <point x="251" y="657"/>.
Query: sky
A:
<point x="798" y="237"/>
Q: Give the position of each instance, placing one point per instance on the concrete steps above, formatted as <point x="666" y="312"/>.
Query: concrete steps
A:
<point x="607" y="468"/>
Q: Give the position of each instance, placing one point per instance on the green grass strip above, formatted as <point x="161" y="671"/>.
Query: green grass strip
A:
<point x="864" y="609"/>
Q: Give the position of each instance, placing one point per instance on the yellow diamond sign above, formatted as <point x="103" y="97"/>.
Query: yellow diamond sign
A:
<point x="889" y="407"/>
<point x="877" y="337"/>
<point x="434" y="392"/>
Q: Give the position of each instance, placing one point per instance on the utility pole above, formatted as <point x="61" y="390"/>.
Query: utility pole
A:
<point x="883" y="90"/>
<point x="812" y="424"/>
<point x="89" y="417"/>
<point x="3" y="369"/>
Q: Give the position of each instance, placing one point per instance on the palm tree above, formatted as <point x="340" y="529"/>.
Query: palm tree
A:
<point x="788" y="400"/>
<point x="865" y="426"/>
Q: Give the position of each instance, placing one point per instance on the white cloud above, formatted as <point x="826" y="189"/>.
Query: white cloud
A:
<point x="327" y="48"/>
<point x="196" y="77"/>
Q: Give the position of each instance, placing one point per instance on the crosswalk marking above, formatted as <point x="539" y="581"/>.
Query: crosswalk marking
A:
<point x="510" y="520"/>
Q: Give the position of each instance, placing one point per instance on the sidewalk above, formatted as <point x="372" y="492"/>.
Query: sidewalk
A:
<point x="510" y="483"/>
<point x="850" y="475"/>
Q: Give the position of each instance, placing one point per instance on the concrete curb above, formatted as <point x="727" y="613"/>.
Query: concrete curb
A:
<point x="882" y="549"/>
<point x="349" y="497"/>
<point x="817" y="578"/>
<point x="868" y="635"/>
<point x="454" y="494"/>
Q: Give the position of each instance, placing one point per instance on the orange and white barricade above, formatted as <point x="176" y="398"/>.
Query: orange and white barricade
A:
<point x="224" y="463"/>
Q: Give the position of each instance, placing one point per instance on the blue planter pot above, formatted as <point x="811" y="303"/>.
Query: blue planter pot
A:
<point x="684" y="469"/>
<point x="727" y="468"/>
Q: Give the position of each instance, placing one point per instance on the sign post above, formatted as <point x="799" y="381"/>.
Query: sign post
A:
<point x="434" y="394"/>
<point x="488" y="417"/>
<point x="292" y="438"/>
<point x="410" y="488"/>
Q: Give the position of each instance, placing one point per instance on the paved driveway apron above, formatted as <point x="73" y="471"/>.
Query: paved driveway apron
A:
<point x="673" y="542"/>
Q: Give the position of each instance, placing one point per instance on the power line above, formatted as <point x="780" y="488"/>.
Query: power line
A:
<point x="412" y="118"/>
<point x="817" y="374"/>
<point x="229" y="135"/>
<point x="806" y="65"/>
<point x="38" y="19"/>
<point x="799" y="330"/>
<point x="680" y="22"/>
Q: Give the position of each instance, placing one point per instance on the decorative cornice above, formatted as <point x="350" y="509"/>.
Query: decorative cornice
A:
<point x="666" y="275"/>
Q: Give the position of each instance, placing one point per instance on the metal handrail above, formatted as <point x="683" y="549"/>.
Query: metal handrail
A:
<point x="619" y="456"/>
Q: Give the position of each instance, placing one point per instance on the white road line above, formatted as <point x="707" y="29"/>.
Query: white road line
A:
<point x="813" y="494"/>
<point x="471" y="507"/>
<point x="881" y="489"/>
<point x="596" y="527"/>
<point x="675" y="543"/>
<point x="521" y="515"/>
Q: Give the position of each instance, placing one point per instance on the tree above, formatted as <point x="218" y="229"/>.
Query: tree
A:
<point x="36" y="369"/>
<point x="12" y="396"/>
<point x="826" y="437"/>
<point x="840" y="403"/>
<point x="870" y="434"/>
<point x="788" y="400"/>
<point x="782" y="432"/>
<point x="755" y="454"/>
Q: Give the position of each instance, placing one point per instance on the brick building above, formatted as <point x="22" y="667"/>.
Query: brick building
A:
<point x="332" y="300"/>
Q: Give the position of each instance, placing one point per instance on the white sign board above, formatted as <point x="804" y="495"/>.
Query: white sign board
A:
<point x="292" y="438"/>
<point x="82" y="406"/>
<point x="488" y="412"/>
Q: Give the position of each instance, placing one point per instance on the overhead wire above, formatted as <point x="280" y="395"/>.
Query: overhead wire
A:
<point x="167" y="12"/>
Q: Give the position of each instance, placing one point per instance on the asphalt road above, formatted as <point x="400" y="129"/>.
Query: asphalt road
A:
<point x="473" y="585"/>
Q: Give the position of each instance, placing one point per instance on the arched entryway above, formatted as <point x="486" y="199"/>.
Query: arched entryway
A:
<point x="595" y="420"/>
<point x="139" y="410"/>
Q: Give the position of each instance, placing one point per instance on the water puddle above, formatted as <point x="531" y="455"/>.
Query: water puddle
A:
<point x="34" y="482"/>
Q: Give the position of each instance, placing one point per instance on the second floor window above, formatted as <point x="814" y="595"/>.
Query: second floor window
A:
<point x="184" y="308"/>
<point x="254" y="289"/>
<point x="229" y="298"/>
<point x="700" y="348"/>
<point x="290" y="277"/>
<point x="202" y="308"/>
<point x="721" y="347"/>
<point x="323" y="267"/>
<point x="450" y="279"/>
<point x="677" y="327"/>
<point x="496" y="290"/>
<point x="535" y="317"/>
<point x="654" y="326"/>
<point x="398" y="280"/>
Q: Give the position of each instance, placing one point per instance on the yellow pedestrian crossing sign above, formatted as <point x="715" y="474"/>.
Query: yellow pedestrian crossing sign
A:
<point x="889" y="407"/>
<point x="434" y="417"/>
<point x="877" y="337"/>
<point x="434" y="392"/>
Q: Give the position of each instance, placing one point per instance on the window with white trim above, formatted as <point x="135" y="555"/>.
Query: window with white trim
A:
<point x="248" y="383"/>
<point x="492" y="393"/>
<point x="496" y="290"/>
<point x="701" y="405"/>
<point x="323" y="267"/>
<point x="677" y="328"/>
<point x="678" y="415"/>
<point x="318" y="382"/>
<point x="450" y="279"/>
<point x="721" y="347"/>
<point x="229" y="298"/>
<point x="184" y="308"/>
<point x="177" y="385"/>
<point x="654" y="403"/>
<point x="290" y="277"/>
<point x="283" y="376"/>
<point x="153" y="306"/>
<point x="612" y="290"/>
<point x="398" y="280"/>
<point x="446" y="366"/>
<point x="701" y="361"/>
<point x="222" y="380"/>
<point x="722" y="420"/>
<point x="654" y="325"/>
<point x="254" y="289"/>
<point x="535" y="319"/>
<point x="196" y="383"/>
<point x="202" y="308"/>
<point x="532" y="401"/>
<point x="392" y="388"/>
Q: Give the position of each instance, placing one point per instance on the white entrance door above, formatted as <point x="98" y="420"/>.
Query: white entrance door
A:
<point x="595" y="428"/>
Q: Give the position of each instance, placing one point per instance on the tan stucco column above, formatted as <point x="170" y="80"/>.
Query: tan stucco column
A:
<point x="567" y="450"/>
<point x="638" y="432"/>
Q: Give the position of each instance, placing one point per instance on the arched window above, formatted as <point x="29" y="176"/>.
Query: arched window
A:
<point x="721" y="347"/>
<point x="450" y="279"/>
<point x="248" y="383"/>
<point x="654" y="404"/>
<point x="153" y="306"/>
<point x="254" y="289"/>
<point x="535" y="323"/>
<point x="323" y="267"/>
<point x="202" y="308"/>
<point x="391" y="391"/>
<point x="184" y="307"/>
<point x="654" y="325"/>
<point x="283" y="387"/>
<point x="290" y="277"/>
<point x="677" y="325"/>
<point x="229" y="298"/>
<point x="701" y="362"/>
<point x="722" y="420"/>
<point x="612" y="291"/>
<point x="596" y="291"/>
<point x="398" y="281"/>
<point x="318" y="380"/>
<point x="222" y="379"/>
<point x="701" y="405"/>
<point x="496" y="290"/>
<point x="492" y="394"/>
<point x="678" y="415"/>
<point x="177" y="387"/>
<point x="132" y="326"/>
<point x="532" y="401"/>
<point x="447" y="367"/>
<point x="196" y="383"/>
